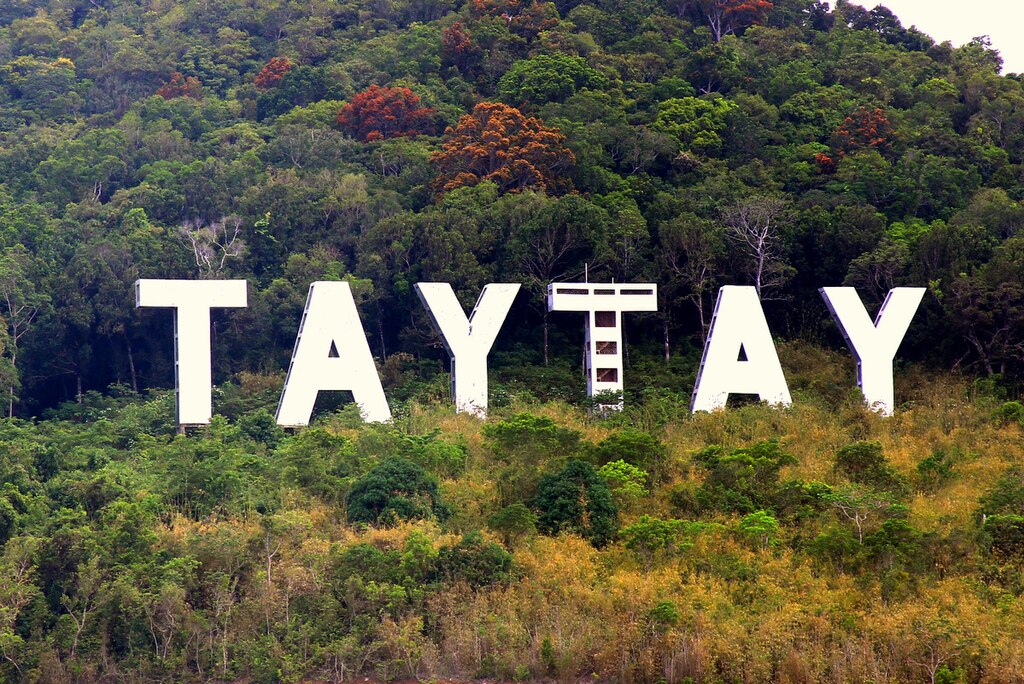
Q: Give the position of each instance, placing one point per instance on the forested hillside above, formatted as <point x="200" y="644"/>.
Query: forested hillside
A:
<point x="496" y="140"/>
<point x="397" y="141"/>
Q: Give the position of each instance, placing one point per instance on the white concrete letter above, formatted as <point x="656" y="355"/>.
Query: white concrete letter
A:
<point x="604" y="305"/>
<point x="330" y="324"/>
<point x="191" y="301"/>
<point x="739" y="325"/>
<point x="468" y="340"/>
<point x="874" y="344"/>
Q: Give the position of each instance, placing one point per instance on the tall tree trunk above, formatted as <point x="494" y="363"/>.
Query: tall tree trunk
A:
<point x="665" y="339"/>
<point x="546" y="355"/>
<point x="131" y="363"/>
<point x="14" y="365"/>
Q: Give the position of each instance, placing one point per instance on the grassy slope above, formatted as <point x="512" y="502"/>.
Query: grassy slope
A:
<point x="745" y="614"/>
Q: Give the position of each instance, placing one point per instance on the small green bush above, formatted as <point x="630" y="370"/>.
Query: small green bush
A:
<point x="576" y="499"/>
<point x="395" y="489"/>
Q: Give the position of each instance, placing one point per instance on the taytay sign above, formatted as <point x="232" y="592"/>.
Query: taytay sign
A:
<point x="331" y="351"/>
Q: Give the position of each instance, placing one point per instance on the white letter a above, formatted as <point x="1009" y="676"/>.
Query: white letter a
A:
<point x="331" y="320"/>
<point x="739" y="324"/>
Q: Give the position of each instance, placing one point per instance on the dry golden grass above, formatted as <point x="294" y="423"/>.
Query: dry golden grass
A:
<point x="744" y="614"/>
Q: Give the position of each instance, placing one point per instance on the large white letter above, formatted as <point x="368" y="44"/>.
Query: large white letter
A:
<point x="874" y="344"/>
<point x="604" y="305"/>
<point x="739" y="325"/>
<point x="468" y="340"/>
<point x="191" y="301"/>
<point x="330" y="324"/>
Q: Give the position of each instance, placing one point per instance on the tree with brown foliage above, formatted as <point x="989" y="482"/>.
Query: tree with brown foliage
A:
<point x="273" y="72"/>
<point x="526" y="19"/>
<point x="181" y="86"/>
<point x="725" y="16"/>
<point x="499" y="143"/>
<point x="379" y="113"/>
<point x="458" y="48"/>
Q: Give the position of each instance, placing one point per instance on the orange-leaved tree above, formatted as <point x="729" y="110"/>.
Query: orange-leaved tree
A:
<point x="496" y="142"/>
<point x="380" y="112"/>
<point x="272" y="72"/>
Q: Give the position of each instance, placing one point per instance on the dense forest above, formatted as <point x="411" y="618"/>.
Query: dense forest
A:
<point x="691" y="143"/>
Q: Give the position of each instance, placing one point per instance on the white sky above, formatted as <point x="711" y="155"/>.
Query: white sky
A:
<point x="958" y="21"/>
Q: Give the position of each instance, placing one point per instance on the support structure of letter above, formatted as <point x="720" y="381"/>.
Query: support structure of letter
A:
<point x="604" y="305"/>
<point x="739" y="325"/>
<point x="192" y="301"/>
<point x="874" y="344"/>
<point x="468" y="340"/>
<point x="331" y="321"/>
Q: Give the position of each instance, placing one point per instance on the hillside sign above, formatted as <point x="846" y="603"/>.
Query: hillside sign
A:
<point x="331" y="351"/>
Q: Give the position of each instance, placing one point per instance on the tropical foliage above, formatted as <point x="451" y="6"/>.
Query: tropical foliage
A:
<point x="389" y="143"/>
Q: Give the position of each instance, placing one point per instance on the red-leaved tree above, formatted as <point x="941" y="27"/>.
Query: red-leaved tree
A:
<point x="457" y="47"/>
<point x="865" y="128"/>
<point x="272" y="72"/>
<point x="499" y="143"/>
<point x="181" y="86"/>
<point x="380" y="112"/>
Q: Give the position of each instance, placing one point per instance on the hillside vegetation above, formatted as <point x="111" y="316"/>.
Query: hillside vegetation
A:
<point x="817" y="543"/>
<point x="400" y="141"/>
<point x="391" y="142"/>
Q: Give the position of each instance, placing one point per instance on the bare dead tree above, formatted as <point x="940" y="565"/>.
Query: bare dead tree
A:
<point x="755" y="226"/>
<point x="213" y="245"/>
<point x="543" y="257"/>
<point x="878" y="271"/>
<point x="938" y="642"/>
<point x="691" y="250"/>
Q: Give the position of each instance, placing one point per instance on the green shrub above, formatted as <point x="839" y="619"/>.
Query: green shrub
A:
<point x="760" y="528"/>
<point x="649" y="536"/>
<point x="864" y="463"/>
<point x="634" y="447"/>
<point x="1005" y="536"/>
<point x="935" y="470"/>
<point x="476" y="561"/>
<point x="395" y="489"/>
<point x="665" y="615"/>
<point x="1006" y="496"/>
<point x="1009" y="412"/>
<point x="627" y="482"/>
<point x="513" y="523"/>
<point x="576" y="499"/>
<point x="523" y="444"/>
<point x="743" y="480"/>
